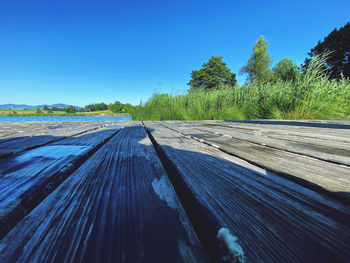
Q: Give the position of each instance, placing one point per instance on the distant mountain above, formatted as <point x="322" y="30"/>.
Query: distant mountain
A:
<point x="31" y="107"/>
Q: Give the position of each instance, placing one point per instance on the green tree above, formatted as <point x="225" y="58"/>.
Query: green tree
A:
<point x="257" y="66"/>
<point x="38" y="111"/>
<point x="213" y="74"/>
<point x="70" y="109"/>
<point x="338" y="43"/>
<point x="286" y="70"/>
<point x="97" y="107"/>
<point x="117" y="107"/>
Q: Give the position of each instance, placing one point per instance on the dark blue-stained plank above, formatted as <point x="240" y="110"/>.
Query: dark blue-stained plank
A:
<point x="242" y="212"/>
<point x="32" y="139"/>
<point x="27" y="178"/>
<point x="119" y="206"/>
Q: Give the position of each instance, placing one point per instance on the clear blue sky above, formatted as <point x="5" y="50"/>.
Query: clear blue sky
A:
<point x="81" y="52"/>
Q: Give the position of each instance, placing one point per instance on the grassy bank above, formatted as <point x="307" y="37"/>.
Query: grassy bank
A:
<point x="312" y="96"/>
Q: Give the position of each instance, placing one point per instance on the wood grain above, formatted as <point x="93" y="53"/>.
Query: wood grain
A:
<point x="28" y="141"/>
<point x="274" y="219"/>
<point x="306" y="170"/>
<point x="26" y="179"/>
<point x="119" y="206"/>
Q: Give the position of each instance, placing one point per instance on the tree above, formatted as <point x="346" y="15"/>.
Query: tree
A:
<point x="97" y="107"/>
<point x="338" y="61"/>
<point x="70" y="109"/>
<point x="213" y="74"/>
<point x="257" y="66"/>
<point x="38" y="111"/>
<point x="286" y="70"/>
<point x="117" y="107"/>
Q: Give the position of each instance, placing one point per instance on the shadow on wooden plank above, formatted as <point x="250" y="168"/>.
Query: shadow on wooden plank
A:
<point x="119" y="206"/>
<point x="268" y="221"/>
<point x="273" y="219"/>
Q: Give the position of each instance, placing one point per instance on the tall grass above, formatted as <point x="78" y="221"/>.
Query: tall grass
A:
<point x="312" y="96"/>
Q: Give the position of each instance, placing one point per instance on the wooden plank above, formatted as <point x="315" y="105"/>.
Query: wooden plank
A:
<point x="337" y="135"/>
<point x="41" y="137"/>
<point x="13" y="130"/>
<point x="320" y="149"/>
<point x="119" y="206"/>
<point x="328" y="124"/>
<point x="272" y="219"/>
<point x="311" y="172"/>
<point x="26" y="179"/>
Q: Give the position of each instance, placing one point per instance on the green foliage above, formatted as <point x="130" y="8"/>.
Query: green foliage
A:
<point x="117" y="107"/>
<point x="38" y="111"/>
<point x="338" y="61"/>
<point x="286" y="70"/>
<point x="70" y="109"/>
<point x="213" y="74"/>
<point x="96" y="107"/>
<point x="57" y="109"/>
<point x="311" y="96"/>
<point x="257" y="66"/>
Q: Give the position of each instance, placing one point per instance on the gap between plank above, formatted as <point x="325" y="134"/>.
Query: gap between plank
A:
<point x="203" y="222"/>
<point x="272" y="147"/>
<point x="299" y="181"/>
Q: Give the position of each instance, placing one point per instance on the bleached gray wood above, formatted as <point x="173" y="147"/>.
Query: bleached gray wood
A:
<point x="13" y="130"/>
<point x="332" y="151"/>
<point x="119" y="206"/>
<point x="274" y="219"/>
<point x="331" y="134"/>
<point x="309" y="171"/>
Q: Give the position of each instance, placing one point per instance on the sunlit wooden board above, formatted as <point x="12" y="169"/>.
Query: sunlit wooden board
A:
<point x="333" y="151"/>
<point x="309" y="171"/>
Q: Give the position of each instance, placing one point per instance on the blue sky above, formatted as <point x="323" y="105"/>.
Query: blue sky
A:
<point x="81" y="52"/>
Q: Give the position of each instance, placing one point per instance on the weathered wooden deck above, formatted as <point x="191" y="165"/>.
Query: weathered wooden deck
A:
<point x="204" y="191"/>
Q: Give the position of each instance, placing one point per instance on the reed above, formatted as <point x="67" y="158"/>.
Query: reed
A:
<point x="312" y="96"/>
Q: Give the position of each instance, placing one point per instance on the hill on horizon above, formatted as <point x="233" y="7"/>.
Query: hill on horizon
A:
<point x="32" y="107"/>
